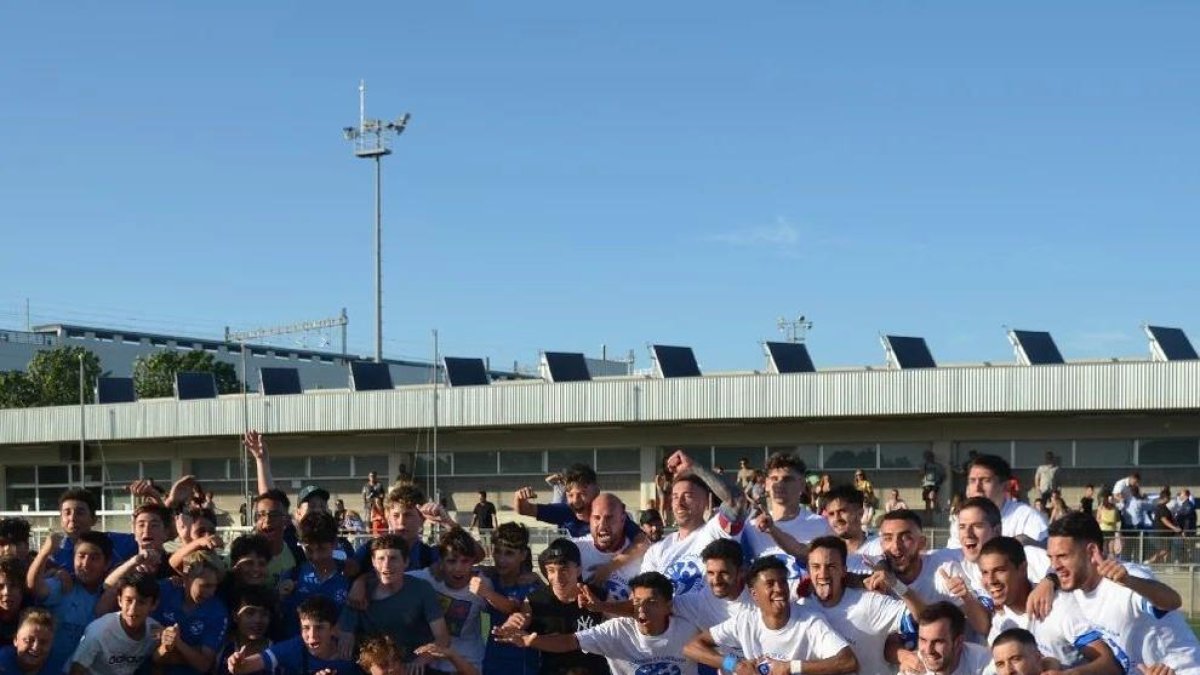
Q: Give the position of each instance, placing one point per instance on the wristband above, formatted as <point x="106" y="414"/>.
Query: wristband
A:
<point x="899" y="588"/>
<point x="730" y="663"/>
<point x="797" y="667"/>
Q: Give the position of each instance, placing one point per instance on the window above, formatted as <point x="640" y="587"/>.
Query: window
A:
<point x="1168" y="452"/>
<point x="24" y="499"/>
<point x="478" y="463"/>
<point x="521" y="462"/>
<point x="997" y="448"/>
<point x="1104" y="453"/>
<point x="849" y="455"/>
<point x="618" y="460"/>
<point x="289" y="467"/>
<point x="210" y="469"/>
<point x="330" y="466"/>
<point x="369" y="463"/>
<point x="559" y="460"/>
<point x="1030" y="454"/>
<point x="728" y="458"/>
<point x="903" y="455"/>
<point x="60" y="474"/>
<point x="159" y="471"/>
<point x="22" y="474"/>
<point x="122" y="472"/>
<point x="811" y="454"/>
<point x="423" y="464"/>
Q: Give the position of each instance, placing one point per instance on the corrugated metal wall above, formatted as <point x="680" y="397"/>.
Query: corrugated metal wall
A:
<point x="1097" y="387"/>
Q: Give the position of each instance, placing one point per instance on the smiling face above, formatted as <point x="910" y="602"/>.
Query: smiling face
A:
<point x="1016" y="658"/>
<point x="76" y="517"/>
<point x="389" y="564"/>
<point x="1001" y="579"/>
<point x="844" y="518"/>
<point x="91" y="565"/>
<point x="456" y="570"/>
<point x="580" y="496"/>
<point x="688" y="503"/>
<point x="723" y="578"/>
<point x="149" y="531"/>
<point x="269" y="519"/>
<point x="251" y="570"/>
<point x="650" y="611"/>
<point x="252" y="622"/>
<point x="770" y="591"/>
<point x="902" y="544"/>
<point x="974" y="531"/>
<point x="563" y="579"/>
<point x="938" y="649"/>
<point x="33" y="642"/>
<point x="134" y="608"/>
<point x="827" y="571"/>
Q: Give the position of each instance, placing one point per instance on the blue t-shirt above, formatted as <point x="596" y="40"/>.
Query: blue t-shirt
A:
<point x="293" y="657"/>
<point x="505" y="658"/>
<point x="223" y="659"/>
<point x="307" y="585"/>
<point x="562" y="516"/>
<point x="8" y="663"/>
<point x="72" y="612"/>
<point x="204" y="626"/>
<point x="420" y="556"/>
<point x="124" y="548"/>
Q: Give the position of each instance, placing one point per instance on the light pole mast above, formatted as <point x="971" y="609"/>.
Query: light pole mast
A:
<point x="370" y="140"/>
<point x="795" y="330"/>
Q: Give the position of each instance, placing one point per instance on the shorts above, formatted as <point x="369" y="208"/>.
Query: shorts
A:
<point x="929" y="492"/>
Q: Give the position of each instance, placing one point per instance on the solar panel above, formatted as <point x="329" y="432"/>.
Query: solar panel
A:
<point x="790" y="357"/>
<point x="675" y="361"/>
<point x="908" y="352"/>
<point x="279" y="381"/>
<point x="566" y="367"/>
<point x="191" y="386"/>
<point x="115" y="390"/>
<point x="370" y="376"/>
<point x="1035" y="348"/>
<point x="1170" y="344"/>
<point x="465" y="372"/>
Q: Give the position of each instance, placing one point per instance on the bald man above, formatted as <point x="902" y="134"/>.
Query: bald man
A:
<point x="606" y="541"/>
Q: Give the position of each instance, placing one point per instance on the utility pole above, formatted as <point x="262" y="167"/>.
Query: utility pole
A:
<point x="370" y="140"/>
<point x="82" y="424"/>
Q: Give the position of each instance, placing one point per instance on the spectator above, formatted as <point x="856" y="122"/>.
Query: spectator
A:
<point x="651" y="523"/>
<point x="864" y="486"/>
<point x="484" y="514"/>
<point x="933" y="474"/>
<point x="745" y="474"/>
<point x="353" y="523"/>
<point x="339" y="510"/>
<point x="1040" y="507"/>
<point x="1166" y="526"/>
<point x="379" y="523"/>
<point x="1058" y="505"/>
<point x="662" y="487"/>
<point x="894" y="502"/>
<point x="757" y="492"/>
<point x="371" y="490"/>
<point x="1122" y="489"/>
<point x="1185" y="511"/>
<point x="1138" y="510"/>
<point x="558" y="488"/>
<point x="1088" y="500"/>
<point x="1109" y="518"/>
<point x="1045" y="479"/>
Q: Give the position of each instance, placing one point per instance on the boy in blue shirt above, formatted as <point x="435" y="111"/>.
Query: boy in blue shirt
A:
<point x="73" y="605"/>
<point x="314" y="650"/>
<point x="194" y="617"/>
<point x="77" y="514"/>
<point x="30" y="649"/>
<point x="321" y="573"/>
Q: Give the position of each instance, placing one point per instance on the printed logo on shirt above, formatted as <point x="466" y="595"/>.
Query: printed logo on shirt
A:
<point x="687" y="576"/>
<point x="795" y="569"/>
<point x="584" y="622"/>
<point x="196" y="628"/>
<point x="659" y="668"/>
<point x="456" y="612"/>
<point x="618" y="589"/>
<point x="125" y="659"/>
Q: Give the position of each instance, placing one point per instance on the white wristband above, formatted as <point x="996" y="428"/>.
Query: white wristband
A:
<point x="797" y="667"/>
<point x="899" y="588"/>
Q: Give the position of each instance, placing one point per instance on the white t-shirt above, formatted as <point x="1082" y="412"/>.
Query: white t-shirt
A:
<point x="807" y="636"/>
<point x="628" y="651"/>
<point x="1176" y="643"/>
<point x="805" y="527"/>
<point x="1016" y="518"/>
<point x="863" y="560"/>
<point x="1143" y="633"/>
<point x="1060" y="636"/>
<point x="106" y="648"/>
<point x="864" y="620"/>
<point x="929" y="585"/>
<point x="679" y="559"/>
<point x="1037" y="567"/>
<point x="461" y="609"/>
<point x="974" y="660"/>
<point x="617" y="584"/>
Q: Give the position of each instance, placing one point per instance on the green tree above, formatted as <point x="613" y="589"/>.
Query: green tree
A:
<point x="16" y="390"/>
<point x="154" y="375"/>
<point x="54" y="375"/>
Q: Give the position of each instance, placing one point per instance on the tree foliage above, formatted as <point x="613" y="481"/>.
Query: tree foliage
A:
<point x="154" y="375"/>
<point x="54" y="375"/>
<point x="16" y="390"/>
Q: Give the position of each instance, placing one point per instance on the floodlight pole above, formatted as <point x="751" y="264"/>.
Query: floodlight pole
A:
<point x="796" y="329"/>
<point x="370" y="139"/>
<point x="82" y="426"/>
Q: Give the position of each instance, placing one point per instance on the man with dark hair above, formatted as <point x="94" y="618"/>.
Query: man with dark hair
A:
<point x="907" y="572"/>
<point x="678" y="554"/>
<point x="317" y="649"/>
<point x="14" y="539"/>
<point x="651" y="522"/>
<point x="652" y="642"/>
<point x="1065" y="634"/>
<point x="1015" y="652"/>
<point x="77" y="514"/>
<point x="933" y="474"/>
<point x="484" y="514"/>
<point x="942" y="645"/>
<point x="1111" y="596"/>
<point x="988" y="476"/>
<point x="121" y="642"/>
<point x="777" y="631"/>
<point x="787" y="519"/>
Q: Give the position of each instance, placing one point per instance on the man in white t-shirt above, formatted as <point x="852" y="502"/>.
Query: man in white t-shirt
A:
<point x="907" y="571"/>
<point x="942" y="648"/>
<point x="788" y="526"/>
<point x="777" y="633"/>
<point x="988" y="476"/>
<point x="1108" y="595"/>
<point x="652" y="642"/>
<point x="606" y="540"/>
<point x="1065" y="635"/>
<point x="1016" y="652"/>
<point x="862" y="618"/>
<point x="678" y="554"/>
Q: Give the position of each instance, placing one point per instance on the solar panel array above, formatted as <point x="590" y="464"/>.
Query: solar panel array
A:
<point x="190" y="386"/>
<point x="370" y="376"/>
<point x="566" y="367"/>
<point x="465" y="372"/>
<point x="1036" y="348"/>
<point x="789" y="357"/>
<point x="115" y="390"/>
<point x="1170" y="344"/>
<point x="675" y="361"/>
<point x="279" y="381"/>
<point x="909" y="352"/>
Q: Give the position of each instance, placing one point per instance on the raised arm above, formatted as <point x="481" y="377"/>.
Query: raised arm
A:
<point x="257" y="447"/>
<point x="734" y="505"/>
<point x="523" y="504"/>
<point x="33" y="577"/>
<point x="1161" y="596"/>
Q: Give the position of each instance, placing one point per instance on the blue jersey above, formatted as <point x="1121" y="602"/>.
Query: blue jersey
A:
<point x="124" y="548"/>
<point x="292" y="657"/>
<point x="504" y="658"/>
<point x="562" y="516"/>
<point x="203" y="626"/>
<point x="8" y="663"/>
<point x="307" y="585"/>
<point x="72" y="611"/>
<point x="420" y="556"/>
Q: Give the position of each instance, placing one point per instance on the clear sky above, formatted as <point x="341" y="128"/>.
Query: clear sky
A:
<point x="578" y="174"/>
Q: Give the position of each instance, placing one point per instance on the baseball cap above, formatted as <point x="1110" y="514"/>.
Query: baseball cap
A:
<point x="312" y="491"/>
<point x="560" y="551"/>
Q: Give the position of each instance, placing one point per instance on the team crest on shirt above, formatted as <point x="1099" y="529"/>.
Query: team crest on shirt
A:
<point x="795" y="569"/>
<point x="658" y="668"/>
<point x="196" y="628"/>
<point x="618" y="589"/>
<point x="687" y="576"/>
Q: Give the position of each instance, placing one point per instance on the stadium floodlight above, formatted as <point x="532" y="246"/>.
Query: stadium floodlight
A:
<point x="370" y="140"/>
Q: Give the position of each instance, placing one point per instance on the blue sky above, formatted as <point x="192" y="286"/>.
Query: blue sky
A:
<point x="578" y="174"/>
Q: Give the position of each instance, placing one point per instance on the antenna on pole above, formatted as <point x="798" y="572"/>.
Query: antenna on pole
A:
<point x="796" y="329"/>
